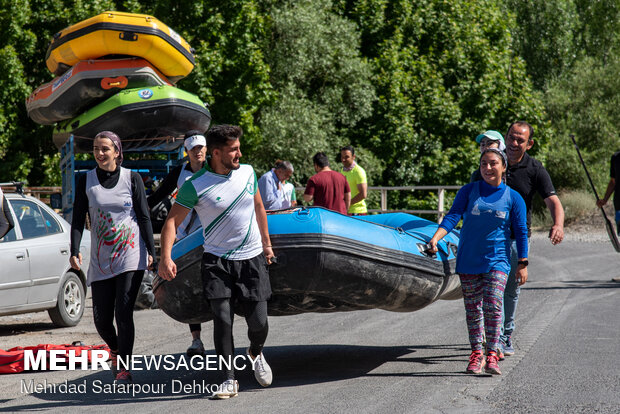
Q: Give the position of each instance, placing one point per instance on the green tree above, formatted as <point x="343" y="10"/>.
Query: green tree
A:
<point x="27" y="27"/>
<point x="409" y="84"/>
<point x="585" y="102"/>
<point x="231" y="73"/>
<point x="441" y="80"/>
<point x="571" y="50"/>
<point x="323" y="86"/>
<point x="599" y="28"/>
<point x="544" y="36"/>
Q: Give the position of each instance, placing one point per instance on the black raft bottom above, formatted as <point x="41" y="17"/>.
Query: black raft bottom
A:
<point x="141" y="126"/>
<point x="329" y="278"/>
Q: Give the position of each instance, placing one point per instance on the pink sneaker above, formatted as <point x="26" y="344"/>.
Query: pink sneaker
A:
<point x="492" y="366"/>
<point x="476" y="363"/>
<point x="124" y="377"/>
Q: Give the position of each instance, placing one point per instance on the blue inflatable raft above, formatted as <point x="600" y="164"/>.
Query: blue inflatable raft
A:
<point x="329" y="262"/>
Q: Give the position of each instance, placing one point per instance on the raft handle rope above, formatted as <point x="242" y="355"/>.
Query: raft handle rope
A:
<point x="451" y="246"/>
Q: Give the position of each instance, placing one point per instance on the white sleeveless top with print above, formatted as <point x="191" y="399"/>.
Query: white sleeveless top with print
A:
<point x="116" y="245"/>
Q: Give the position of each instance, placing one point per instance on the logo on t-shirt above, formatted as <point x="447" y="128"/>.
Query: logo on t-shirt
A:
<point x="250" y="188"/>
<point x="475" y="211"/>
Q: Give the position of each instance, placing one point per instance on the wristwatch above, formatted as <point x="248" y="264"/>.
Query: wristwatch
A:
<point x="523" y="262"/>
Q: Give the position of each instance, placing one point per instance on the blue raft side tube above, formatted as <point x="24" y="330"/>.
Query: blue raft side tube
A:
<point x="417" y="226"/>
<point x="391" y="230"/>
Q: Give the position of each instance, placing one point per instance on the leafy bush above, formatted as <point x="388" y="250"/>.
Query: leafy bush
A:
<point x="584" y="102"/>
<point x="577" y="205"/>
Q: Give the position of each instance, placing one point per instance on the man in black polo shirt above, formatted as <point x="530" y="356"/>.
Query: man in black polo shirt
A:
<point x="613" y="188"/>
<point x="527" y="176"/>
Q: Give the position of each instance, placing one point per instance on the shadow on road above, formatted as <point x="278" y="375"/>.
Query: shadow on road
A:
<point x="22" y="328"/>
<point x="293" y="365"/>
<point x="309" y="364"/>
<point x="571" y="284"/>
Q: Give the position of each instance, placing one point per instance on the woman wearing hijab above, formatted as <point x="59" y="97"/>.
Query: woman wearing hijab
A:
<point x="122" y="245"/>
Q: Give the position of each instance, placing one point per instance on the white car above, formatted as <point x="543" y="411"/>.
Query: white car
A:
<point x="35" y="274"/>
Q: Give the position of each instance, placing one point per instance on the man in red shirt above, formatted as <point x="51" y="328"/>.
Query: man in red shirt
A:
<point x="328" y="188"/>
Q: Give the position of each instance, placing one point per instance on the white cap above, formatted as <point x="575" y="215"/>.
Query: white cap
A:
<point x="191" y="142"/>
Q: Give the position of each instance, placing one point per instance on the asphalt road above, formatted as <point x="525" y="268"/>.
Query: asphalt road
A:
<point x="567" y="357"/>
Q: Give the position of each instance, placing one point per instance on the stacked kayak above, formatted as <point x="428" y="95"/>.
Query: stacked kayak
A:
<point x="128" y="34"/>
<point x="116" y="71"/>
<point x="141" y="117"/>
<point x="89" y="82"/>
<point x="329" y="262"/>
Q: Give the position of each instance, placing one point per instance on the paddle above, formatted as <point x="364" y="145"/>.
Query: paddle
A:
<point x="608" y="224"/>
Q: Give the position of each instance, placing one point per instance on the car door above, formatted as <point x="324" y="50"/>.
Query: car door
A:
<point x="48" y="249"/>
<point x="14" y="269"/>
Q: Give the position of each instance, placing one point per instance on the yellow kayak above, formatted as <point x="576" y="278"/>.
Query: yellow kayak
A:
<point x="115" y="33"/>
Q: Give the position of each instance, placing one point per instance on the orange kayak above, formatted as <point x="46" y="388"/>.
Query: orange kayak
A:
<point x="88" y="83"/>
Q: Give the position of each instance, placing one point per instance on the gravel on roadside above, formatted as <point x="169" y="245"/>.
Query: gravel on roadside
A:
<point x="589" y="228"/>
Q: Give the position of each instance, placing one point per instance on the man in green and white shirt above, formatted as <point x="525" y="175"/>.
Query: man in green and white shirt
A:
<point x="225" y="204"/>
<point x="237" y="248"/>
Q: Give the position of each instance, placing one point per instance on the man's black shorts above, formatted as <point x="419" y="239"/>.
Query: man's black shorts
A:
<point x="238" y="279"/>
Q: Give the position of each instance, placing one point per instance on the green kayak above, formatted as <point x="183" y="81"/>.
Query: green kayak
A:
<point x="153" y="118"/>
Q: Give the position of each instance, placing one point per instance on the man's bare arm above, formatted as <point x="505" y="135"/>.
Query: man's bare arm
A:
<point x="556" y="233"/>
<point x="362" y="194"/>
<point x="167" y="268"/>
<point x="610" y="189"/>
<point x="261" y="218"/>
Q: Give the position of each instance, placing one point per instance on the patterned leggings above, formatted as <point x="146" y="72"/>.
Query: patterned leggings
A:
<point x="483" y="295"/>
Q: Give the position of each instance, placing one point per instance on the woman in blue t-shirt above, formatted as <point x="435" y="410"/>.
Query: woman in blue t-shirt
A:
<point x="489" y="209"/>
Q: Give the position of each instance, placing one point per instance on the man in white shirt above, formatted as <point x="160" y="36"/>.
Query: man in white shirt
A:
<point x="237" y="249"/>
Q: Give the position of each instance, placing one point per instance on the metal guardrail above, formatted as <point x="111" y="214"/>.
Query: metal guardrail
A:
<point x="43" y="193"/>
<point x="441" y="195"/>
